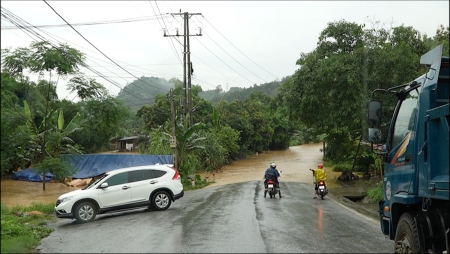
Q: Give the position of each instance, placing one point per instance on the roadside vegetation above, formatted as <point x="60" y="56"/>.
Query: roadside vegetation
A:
<point x="376" y="194"/>
<point x="24" y="227"/>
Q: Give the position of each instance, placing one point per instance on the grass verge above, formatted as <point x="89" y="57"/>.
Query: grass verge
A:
<point x="22" y="228"/>
<point x="199" y="183"/>
<point x="376" y="194"/>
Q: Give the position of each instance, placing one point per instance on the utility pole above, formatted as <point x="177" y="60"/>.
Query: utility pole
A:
<point x="187" y="65"/>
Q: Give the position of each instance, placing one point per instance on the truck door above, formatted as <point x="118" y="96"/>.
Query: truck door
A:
<point x="401" y="159"/>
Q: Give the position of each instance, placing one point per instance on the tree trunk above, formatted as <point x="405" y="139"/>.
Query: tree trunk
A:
<point x="323" y="148"/>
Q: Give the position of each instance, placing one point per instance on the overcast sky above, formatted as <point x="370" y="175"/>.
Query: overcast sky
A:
<point x="242" y="43"/>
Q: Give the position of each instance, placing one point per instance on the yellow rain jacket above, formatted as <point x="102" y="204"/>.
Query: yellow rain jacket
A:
<point x="320" y="175"/>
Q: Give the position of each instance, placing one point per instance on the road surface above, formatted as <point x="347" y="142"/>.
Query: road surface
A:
<point x="227" y="219"/>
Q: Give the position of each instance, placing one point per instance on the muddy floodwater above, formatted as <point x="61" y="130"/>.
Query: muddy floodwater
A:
<point x="23" y="193"/>
<point x="294" y="163"/>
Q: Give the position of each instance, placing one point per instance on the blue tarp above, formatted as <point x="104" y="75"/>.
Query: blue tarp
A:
<point x="30" y="175"/>
<point x="90" y="165"/>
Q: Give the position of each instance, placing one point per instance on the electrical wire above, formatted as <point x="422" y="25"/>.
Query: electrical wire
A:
<point x="123" y="63"/>
<point x="220" y="60"/>
<point x="99" y="49"/>
<point x="88" y="23"/>
<point x="172" y="45"/>
<point x="14" y="19"/>
<point x="232" y="56"/>
<point x="194" y="78"/>
<point x="237" y="48"/>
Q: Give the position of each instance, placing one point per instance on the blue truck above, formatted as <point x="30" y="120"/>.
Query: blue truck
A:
<point x="415" y="209"/>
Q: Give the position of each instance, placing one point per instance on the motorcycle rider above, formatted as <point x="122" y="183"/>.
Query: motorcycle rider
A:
<point x="271" y="173"/>
<point x="319" y="175"/>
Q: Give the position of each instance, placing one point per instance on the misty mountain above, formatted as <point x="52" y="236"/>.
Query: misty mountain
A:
<point x="143" y="92"/>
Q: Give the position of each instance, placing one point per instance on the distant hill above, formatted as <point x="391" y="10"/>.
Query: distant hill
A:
<point x="237" y="93"/>
<point x="143" y="92"/>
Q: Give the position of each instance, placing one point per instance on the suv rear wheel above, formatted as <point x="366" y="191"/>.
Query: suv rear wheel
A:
<point x="161" y="200"/>
<point x="85" y="212"/>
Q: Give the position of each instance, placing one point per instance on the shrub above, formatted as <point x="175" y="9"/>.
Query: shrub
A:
<point x="341" y="167"/>
<point x="20" y="233"/>
<point x="376" y="194"/>
<point x="187" y="184"/>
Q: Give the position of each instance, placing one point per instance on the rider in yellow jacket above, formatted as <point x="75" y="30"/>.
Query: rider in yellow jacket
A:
<point x="319" y="174"/>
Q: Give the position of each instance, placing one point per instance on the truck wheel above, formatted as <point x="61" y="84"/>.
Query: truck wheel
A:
<point x="85" y="212"/>
<point x="407" y="235"/>
<point x="161" y="201"/>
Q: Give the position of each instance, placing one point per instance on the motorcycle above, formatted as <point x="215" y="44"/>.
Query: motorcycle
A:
<point x="272" y="188"/>
<point x="321" y="186"/>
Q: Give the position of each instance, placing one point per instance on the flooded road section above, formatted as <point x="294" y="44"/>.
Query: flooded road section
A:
<point x="294" y="163"/>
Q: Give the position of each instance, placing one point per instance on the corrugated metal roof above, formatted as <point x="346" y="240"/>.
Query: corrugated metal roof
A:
<point x="128" y="138"/>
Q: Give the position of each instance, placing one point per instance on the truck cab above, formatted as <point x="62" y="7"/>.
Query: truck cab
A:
<point x="415" y="209"/>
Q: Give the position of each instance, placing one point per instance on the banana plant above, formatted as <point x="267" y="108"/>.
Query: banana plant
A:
<point x="188" y="139"/>
<point x="58" y="141"/>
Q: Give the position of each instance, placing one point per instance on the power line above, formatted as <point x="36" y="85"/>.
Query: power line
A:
<point x="225" y="63"/>
<point x="173" y="45"/>
<point x="233" y="57"/>
<point x="210" y="65"/>
<point x="51" y="35"/>
<point x="14" y="19"/>
<point x="238" y="49"/>
<point x="90" y="23"/>
<point x="99" y="49"/>
<point x="89" y="67"/>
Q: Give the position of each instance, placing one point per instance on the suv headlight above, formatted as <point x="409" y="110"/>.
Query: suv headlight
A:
<point x="66" y="199"/>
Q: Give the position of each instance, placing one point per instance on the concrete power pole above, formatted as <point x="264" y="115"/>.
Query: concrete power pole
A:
<point x="187" y="65"/>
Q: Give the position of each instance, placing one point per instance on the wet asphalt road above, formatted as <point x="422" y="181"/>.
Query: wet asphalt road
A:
<point x="230" y="218"/>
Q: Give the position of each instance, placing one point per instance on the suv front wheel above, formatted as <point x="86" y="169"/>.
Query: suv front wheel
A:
<point x="85" y="212"/>
<point x="161" y="200"/>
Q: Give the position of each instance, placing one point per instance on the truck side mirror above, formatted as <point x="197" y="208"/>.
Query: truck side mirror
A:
<point x="374" y="135"/>
<point x="374" y="113"/>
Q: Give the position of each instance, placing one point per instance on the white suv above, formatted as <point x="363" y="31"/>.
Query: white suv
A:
<point x="154" y="186"/>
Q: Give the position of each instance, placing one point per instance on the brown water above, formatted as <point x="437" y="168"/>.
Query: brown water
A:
<point x="23" y="193"/>
<point x="294" y="163"/>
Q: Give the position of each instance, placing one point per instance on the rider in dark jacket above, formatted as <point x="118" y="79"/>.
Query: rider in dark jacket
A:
<point x="271" y="173"/>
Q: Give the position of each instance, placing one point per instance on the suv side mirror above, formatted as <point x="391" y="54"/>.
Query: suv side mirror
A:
<point x="104" y="185"/>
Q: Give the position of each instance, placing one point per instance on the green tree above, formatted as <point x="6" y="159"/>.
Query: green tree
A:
<point x="43" y="57"/>
<point x="56" y="143"/>
<point x="105" y="115"/>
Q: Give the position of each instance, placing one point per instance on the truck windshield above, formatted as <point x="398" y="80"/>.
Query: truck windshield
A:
<point x="405" y="118"/>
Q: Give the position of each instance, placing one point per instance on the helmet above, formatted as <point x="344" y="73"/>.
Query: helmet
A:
<point x="273" y="165"/>
<point x="320" y="165"/>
